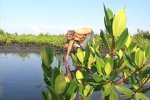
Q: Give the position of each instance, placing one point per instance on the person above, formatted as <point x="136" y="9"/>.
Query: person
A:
<point x="78" y="38"/>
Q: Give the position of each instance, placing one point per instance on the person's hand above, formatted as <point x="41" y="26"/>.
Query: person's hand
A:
<point x="66" y="46"/>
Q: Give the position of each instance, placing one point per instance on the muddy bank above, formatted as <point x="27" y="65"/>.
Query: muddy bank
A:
<point x="25" y="49"/>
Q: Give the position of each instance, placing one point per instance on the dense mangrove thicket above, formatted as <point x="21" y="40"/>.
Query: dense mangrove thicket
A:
<point x="141" y="37"/>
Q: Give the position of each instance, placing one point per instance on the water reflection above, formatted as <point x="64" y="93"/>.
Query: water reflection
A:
<point x="21" y="76"/>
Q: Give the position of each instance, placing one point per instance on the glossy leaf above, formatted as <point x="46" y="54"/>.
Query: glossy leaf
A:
<point x="96" y="78"/>
<point x="145" y="90"/>
<point x="132" y="47"/>
<point x="99" y="64"/>
<point x="119" y="23"/>
<point x="120" y="54"/>
<point x="107" y="89"/>
<point x="133" y="79"/>
<point x="113" y="75"/>
<point x="54" y="94"/>
<point x="46" y="96"/>
<point x="105" y="40"/>
<point x="55" y="73"/>
<point x="60" y="83"/>
<point x="75" y="59"/>
<point x="108" y="19"/>
<point x="71" y="90"/>
<point x="91" y="60"/>
<point x="80" y="55"/>
<point x="79" y="76"/>
<point x="122" y="40"/>
<point x="147" y="51"/>
<point x="108" y="68"/>
<point x="128" y="42"/>
<point x="124" y="90"/>
<point x="47" y="70"/>
<point x="86" y="90"/>
<point x="47" y="56"/>
<point x="141" y="96"/>
<point x="139" y="57"/>
<point x="67" y="79"/>
<point x="113" y="95"/>
<point x="123" y="65"/>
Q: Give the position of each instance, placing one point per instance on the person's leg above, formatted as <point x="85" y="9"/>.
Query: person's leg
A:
<point x="87" y="40"/>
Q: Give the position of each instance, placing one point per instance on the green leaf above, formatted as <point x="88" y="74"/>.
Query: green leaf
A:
<point x="113" y="95"/>
<point x="128" y="42"/>
<point x="99" y="64"/>
<point x="79" y="76"/>
<point x="80" y="89"/>
<point x="46" y="96"/>
<point x="53" y="93"/>
<point x="113" y="75"/>
<point x="75" y="59"/>
<point x="133" y="79"/>
<point x="124" y="90"/>
<point x="96" y="78"/>
<point x="147" y="51"/>
<point x="141" y="96"/>
<point x="132" y="47"/>
<point x="139" y="57"/>
<point x="55" y="73"/>
<point x="108" y="68"/>
<point x="129" y="62"/>
<point x="108" y="19"/>
<point x="145" y="90"/>
<point x="80" y="55"/>
<point x="91" y="60"/>
<point x="47" y="56"/>
<point x="104" y="39"/>
<point x="107" y="89"/>
<point x="120" y="54"/>
<point x="119" y="23"/>
<point x="123" y="65"/>
<point x="86" y="90"/>
<point x="122" y="40"/>
<point x="71" y="90"/>
<point x="60" y="84"/>
<point x="47" y="71"/>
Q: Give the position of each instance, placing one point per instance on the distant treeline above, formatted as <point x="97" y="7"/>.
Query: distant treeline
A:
<point x="141" y="37"/>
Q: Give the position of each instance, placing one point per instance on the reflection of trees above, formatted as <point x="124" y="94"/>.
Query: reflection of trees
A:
<point x="1" y="92"/>
<point x="59" y="57"/>
<point x="23" y="56"/>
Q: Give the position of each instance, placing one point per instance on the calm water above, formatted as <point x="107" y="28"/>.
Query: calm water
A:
<point x="21" y="76"/>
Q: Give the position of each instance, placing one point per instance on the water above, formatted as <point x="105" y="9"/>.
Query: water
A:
<point x="21" y="76"/>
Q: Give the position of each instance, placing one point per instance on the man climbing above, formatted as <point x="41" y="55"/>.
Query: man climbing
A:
<point x="78" y="38"/>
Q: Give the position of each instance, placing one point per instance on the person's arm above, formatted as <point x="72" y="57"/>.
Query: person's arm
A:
<point x="69" y="49"/>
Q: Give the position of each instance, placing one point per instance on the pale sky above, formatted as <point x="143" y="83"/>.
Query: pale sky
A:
<point x="58" y="16"/>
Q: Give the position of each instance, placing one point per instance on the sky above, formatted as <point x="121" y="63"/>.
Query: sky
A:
<point x="59" y="16"/>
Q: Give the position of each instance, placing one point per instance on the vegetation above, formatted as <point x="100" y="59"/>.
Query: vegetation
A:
<point x="122" y="71"/>
<point x="141" y="37"/>
<point x="30" y="39"/>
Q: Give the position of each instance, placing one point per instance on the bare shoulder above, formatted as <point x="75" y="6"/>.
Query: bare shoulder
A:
<point x="83" y="30"/>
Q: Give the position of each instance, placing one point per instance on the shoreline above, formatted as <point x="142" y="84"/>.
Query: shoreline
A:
<point x="25" y="49"/>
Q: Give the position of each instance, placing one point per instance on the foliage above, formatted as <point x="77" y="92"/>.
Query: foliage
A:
<point x="123" y="70"/>
<point x="32" y="40"/>
<point x="142" y="37"/>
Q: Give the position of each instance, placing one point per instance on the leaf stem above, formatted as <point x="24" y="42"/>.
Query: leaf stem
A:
<point x="113" y="47"/>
